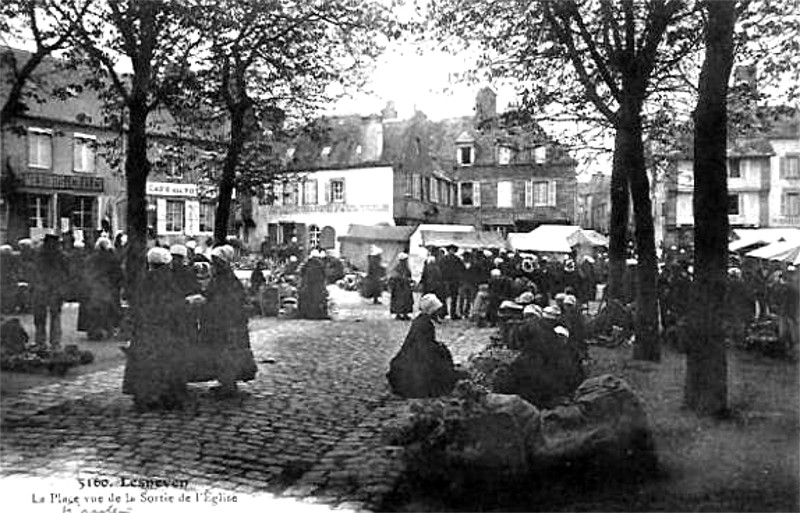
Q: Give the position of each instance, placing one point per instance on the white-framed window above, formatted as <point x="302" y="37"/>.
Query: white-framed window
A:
<point x="359" y="151"/>
<point x="544" y="193"/>
<point x="83" y="153"/>
<point x="207" y="213"/>
<point x="326" y="152"/>
<point x="290" y="153"/>
<point x="505" y="198"/>
<point x="337" y="190"/>
<point x="790" y="203"/>
<point x="175" y="216"/>
<point x="313" y="236"/>
<point x="39" y="211"/>
<point x="503" y="155"/>
<point x="540" y="154"/>
<point x="310" y="192"/>
<point x="734" y="168"/>
<point x="40" y="148"/>
<point x="465" y="155"/>
<point x="734" y="204"/>
<point x="469" y="194"/>
<point x="790" y="166"/>
<point x="82" y="214"/>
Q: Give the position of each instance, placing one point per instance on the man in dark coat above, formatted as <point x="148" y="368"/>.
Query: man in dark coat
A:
<point x="52" y="273"/>
<point x="452" y="271"/>
<point x="431" y="281"/>
<point x="402" y="298"/>
<point x="423" y="367"/>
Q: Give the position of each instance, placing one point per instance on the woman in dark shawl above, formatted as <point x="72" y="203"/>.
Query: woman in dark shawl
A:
<point x="423" y="367"/>
<point x="402" y="299"/>
<point x="154" y="372"/>
<point x="373" y="284"/>
<point x="99" y="311"/>
<point x="313" y="292"/>
<point x="223" y="328"/>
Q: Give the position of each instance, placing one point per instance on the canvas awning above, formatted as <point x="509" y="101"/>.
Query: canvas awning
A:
<point x="552" y="238"/>
<point x="377" y="233"/>
<point x="588" y="238"/>
<point x="464" y="240"/>
<point x="539" y="243"/>
<point x="761" y="236"/>
<point x="781" y="251"/>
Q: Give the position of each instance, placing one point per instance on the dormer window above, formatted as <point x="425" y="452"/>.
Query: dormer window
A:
<point x="290" y="153"/>
<point x="466" y="155"/>
<point x="540" y="154"/>
<point x="465" y="149"/>
<point x="503" y="155"/>
<point x="326" y="152"/>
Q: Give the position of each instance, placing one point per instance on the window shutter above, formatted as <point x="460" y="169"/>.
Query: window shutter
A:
<point x="344" y="190"/>
<point x="551" y="191"/>
<point x="528" y="194"/>
<point x="77" y="155"/>
<point x="192" y="217"/>
<point x="458" y="194"/>
<point x="784" y="164"/>
<point x="328" y="192"/>
<point x="476" y="194"/>
<point x="161" y="215"/>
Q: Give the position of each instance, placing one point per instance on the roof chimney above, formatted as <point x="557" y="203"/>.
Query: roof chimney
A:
<point x="485" y="107"/>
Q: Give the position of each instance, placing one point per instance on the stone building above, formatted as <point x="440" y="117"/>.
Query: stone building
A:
<point x="763" y="185"/>
<point x="480" y="170"/>
<point x="63" y="164"/>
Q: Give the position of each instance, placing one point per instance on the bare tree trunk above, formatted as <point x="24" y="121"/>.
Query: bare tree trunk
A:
<point x="618" y="229"/>
<point x="137" y="168"/>
<point x="227" y="182"/>
<point x="706" y="360"/>
<point x="629" y="163"/>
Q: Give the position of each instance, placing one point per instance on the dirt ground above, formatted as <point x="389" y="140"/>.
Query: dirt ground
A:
<point x="747" y="462"/>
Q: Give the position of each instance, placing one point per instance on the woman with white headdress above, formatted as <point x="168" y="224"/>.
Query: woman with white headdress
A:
<point x="223" y="328"/>
<point x="423" y="367"/>
<point x="372" y="284"/>
<point x="99" y="312"/>
<point x="402" y="298"/>
<point x="155" y="367"/>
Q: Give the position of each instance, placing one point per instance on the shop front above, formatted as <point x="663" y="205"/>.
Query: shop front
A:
<point x="177" y="212"/>
<point x="61" y="204"/>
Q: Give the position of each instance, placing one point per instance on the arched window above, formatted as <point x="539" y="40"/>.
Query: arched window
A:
<point x="313" y="236"/>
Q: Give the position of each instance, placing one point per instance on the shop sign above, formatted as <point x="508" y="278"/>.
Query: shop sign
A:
<point x="172" y="189"/>
<point x="62" y="182"/>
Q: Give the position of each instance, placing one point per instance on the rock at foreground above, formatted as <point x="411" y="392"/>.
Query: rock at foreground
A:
<point x="604" y="426"/>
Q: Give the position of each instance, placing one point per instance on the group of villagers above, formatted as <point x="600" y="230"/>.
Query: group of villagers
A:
<point x="191" y="326"/>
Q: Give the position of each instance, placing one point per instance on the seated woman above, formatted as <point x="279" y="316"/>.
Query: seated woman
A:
<point x="423" y="367"/>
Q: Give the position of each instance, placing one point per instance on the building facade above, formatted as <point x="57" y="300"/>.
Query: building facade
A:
<point x="763" y="186"/>
<point x="63" y="165"/>
<point x="474" y="170"/>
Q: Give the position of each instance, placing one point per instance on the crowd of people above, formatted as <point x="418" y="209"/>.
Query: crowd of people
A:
<point x="192" y="299"/>
<point x="190" y="324"/>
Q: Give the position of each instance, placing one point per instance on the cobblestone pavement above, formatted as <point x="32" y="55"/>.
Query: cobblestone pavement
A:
<point x="308" y="425"/>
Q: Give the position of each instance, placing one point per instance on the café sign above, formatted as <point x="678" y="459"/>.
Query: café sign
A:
<point x="62" y="182"/>
<point x="171" y="189"/>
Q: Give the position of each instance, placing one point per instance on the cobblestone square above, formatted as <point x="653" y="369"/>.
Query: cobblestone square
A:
<point x="306" y="426"/>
